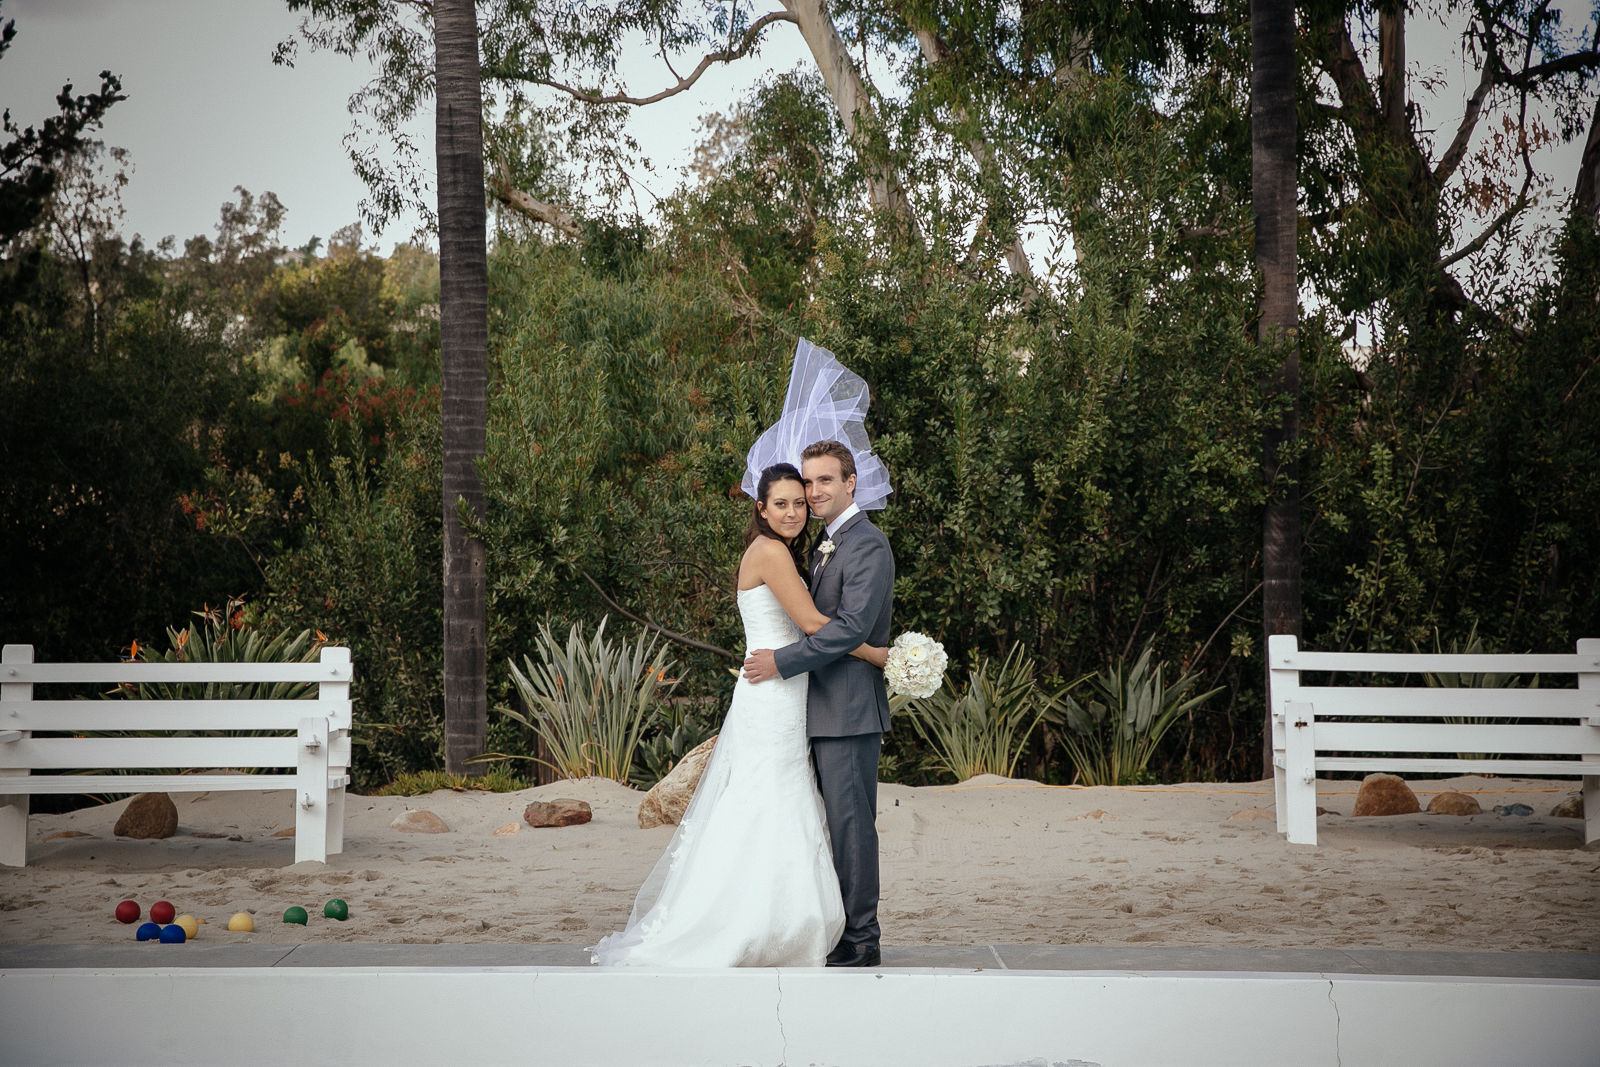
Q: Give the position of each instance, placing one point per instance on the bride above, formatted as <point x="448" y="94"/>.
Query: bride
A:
<point x="748" y="880"/>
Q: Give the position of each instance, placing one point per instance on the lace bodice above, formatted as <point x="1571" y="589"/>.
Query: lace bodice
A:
<point x="766" y="624"/>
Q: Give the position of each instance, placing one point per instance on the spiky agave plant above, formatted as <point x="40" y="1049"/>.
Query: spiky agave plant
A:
<point x="1113" y="739"/>
<point x="218" y="635"/>
<point x="590" y="700"/>
<point x="984" y="726"/>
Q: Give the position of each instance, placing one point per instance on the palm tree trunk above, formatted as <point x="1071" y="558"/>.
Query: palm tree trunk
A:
<point x="464" y="342"/>
<point x="1275" y="183"/>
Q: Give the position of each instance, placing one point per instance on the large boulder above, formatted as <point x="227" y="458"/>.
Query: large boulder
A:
<point x="563" y="811"/>
<point x="669" y="798"/>
<point x="148" y="815"/>
<point x="1384" y="794"/>
<point x="1453" y="803"/>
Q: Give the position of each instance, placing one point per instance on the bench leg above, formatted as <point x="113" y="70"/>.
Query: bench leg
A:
<point x="14" y="829"/>
<point x="1280" y="791"/>
<point x="1591" y="807"/>
<point x="311" y="794"/>
<point x="1300" y="773"/>
<point x="335" y="832"/>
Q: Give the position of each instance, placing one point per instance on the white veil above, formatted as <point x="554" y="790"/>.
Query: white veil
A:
<point x="825" y="403"/>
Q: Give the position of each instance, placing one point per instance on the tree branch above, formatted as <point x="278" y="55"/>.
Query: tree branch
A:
<point x="662" y="630"/>
<point x="1577" y="62"/>
<point x="727" y="55"/>
<point x="1469" y="122"/>
<point x="537" y="210"/>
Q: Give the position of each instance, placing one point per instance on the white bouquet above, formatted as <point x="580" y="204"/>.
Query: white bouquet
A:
<point x="916" y="666"/>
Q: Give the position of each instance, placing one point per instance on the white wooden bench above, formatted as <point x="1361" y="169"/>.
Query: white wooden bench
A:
<point x="1305" y="723"/>
<point x="319" y="750"/>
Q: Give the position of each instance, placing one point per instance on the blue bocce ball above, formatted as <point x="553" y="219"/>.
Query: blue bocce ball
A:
<point x="147" y="932"/>
<point x="172" y="935"/>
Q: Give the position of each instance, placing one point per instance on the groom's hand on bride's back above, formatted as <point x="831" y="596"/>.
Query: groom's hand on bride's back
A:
<point x="760" y="665"/>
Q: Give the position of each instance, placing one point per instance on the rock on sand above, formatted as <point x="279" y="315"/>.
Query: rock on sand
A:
<point x="1384" y="794"/>
<point x="1570" y="808"/>
<point x="419" y="822"/>
<point x="148" y="815"/>
<point x="669" y="798"/>
<point x="1453" y="804"/>
<point x="562" y="811"/>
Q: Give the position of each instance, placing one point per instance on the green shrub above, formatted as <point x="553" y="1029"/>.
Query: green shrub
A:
<point x="983" y="727"/>
<point x="589" y="700"/>
<point x="1112" y="742"/>
<point x="417" y="783"/>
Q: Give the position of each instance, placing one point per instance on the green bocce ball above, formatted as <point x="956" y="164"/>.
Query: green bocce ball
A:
<point x="295" y="915"/>
<point x="336" y="909"/>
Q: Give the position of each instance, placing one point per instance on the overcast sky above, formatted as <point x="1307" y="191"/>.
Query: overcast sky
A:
<point x="207" y="110"/>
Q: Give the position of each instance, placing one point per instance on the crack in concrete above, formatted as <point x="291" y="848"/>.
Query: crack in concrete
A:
<point x="995" y="952"/>
<point x="1338" y="1024"/>
<point x="783" y="1057"/>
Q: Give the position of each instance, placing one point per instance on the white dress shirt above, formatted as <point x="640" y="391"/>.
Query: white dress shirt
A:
<point x="844" y="516"/>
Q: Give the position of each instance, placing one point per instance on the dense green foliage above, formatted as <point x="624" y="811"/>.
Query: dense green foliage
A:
<point x="1075" y="452"/>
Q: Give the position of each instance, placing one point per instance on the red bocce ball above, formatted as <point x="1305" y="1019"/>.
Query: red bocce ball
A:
<point x="162" y="912"/>
<point x="127" y="912"/>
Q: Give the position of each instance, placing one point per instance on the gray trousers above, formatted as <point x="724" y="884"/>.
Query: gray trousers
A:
<point x="847" y="776"/>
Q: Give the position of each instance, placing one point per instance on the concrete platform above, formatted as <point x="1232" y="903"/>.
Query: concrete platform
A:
<point x="1063" y="958"/>
<point x="357" y="1005"/>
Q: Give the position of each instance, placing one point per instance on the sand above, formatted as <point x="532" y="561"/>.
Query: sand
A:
<point x="991" y="861"/>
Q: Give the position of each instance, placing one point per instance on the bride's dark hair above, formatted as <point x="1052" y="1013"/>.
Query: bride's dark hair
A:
<point x="759" y="527"/>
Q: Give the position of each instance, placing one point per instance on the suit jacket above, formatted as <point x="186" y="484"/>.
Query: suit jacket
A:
<point x="855" y="589"/>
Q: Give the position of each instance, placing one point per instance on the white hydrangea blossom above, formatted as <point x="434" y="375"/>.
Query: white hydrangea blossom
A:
<point x="916" y="666"/>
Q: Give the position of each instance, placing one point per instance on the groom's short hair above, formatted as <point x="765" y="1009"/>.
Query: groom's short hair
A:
<point x="842" y="453"/>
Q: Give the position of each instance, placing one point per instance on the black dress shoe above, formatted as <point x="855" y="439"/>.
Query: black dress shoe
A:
<point x="849" y="955"/>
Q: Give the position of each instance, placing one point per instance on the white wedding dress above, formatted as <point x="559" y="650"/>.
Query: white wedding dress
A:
<point x="748" y="880"/>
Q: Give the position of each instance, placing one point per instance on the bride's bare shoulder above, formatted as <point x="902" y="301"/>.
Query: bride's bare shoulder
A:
<point x="761" y="554"/>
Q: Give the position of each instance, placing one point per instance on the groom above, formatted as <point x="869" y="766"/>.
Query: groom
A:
<point x="847" y="707"/>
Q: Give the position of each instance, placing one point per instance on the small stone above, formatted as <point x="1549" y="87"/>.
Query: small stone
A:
<point x="285" y="833"/>
<point x="1252" y="814"/>
<point x="562" y="811"/>
<point x="507" y="830"/>
<point x="419" y="822"/>
<point x="1104" y="816"/>
<point x="1513" y="809"/>
<point x="65" y="833"/>
<point x="148" y="815"/>
<point x="1385" y="794"/>
<point x="1570" y="808"/>
<point x="1453" y="803"/>
<point x="669" y="798"/>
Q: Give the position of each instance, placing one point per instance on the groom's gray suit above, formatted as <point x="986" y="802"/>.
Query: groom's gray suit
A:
<point x="847" y="707"/>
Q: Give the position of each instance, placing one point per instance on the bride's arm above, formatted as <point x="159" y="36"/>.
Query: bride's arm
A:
<point x="775" y="566"/>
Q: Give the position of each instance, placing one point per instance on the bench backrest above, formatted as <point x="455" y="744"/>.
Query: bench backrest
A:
<point x="1287" y="660"/>
<point x="20" y="712"/>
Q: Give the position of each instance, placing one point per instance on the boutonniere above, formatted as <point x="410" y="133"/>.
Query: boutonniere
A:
<point x="824" y="550"/>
